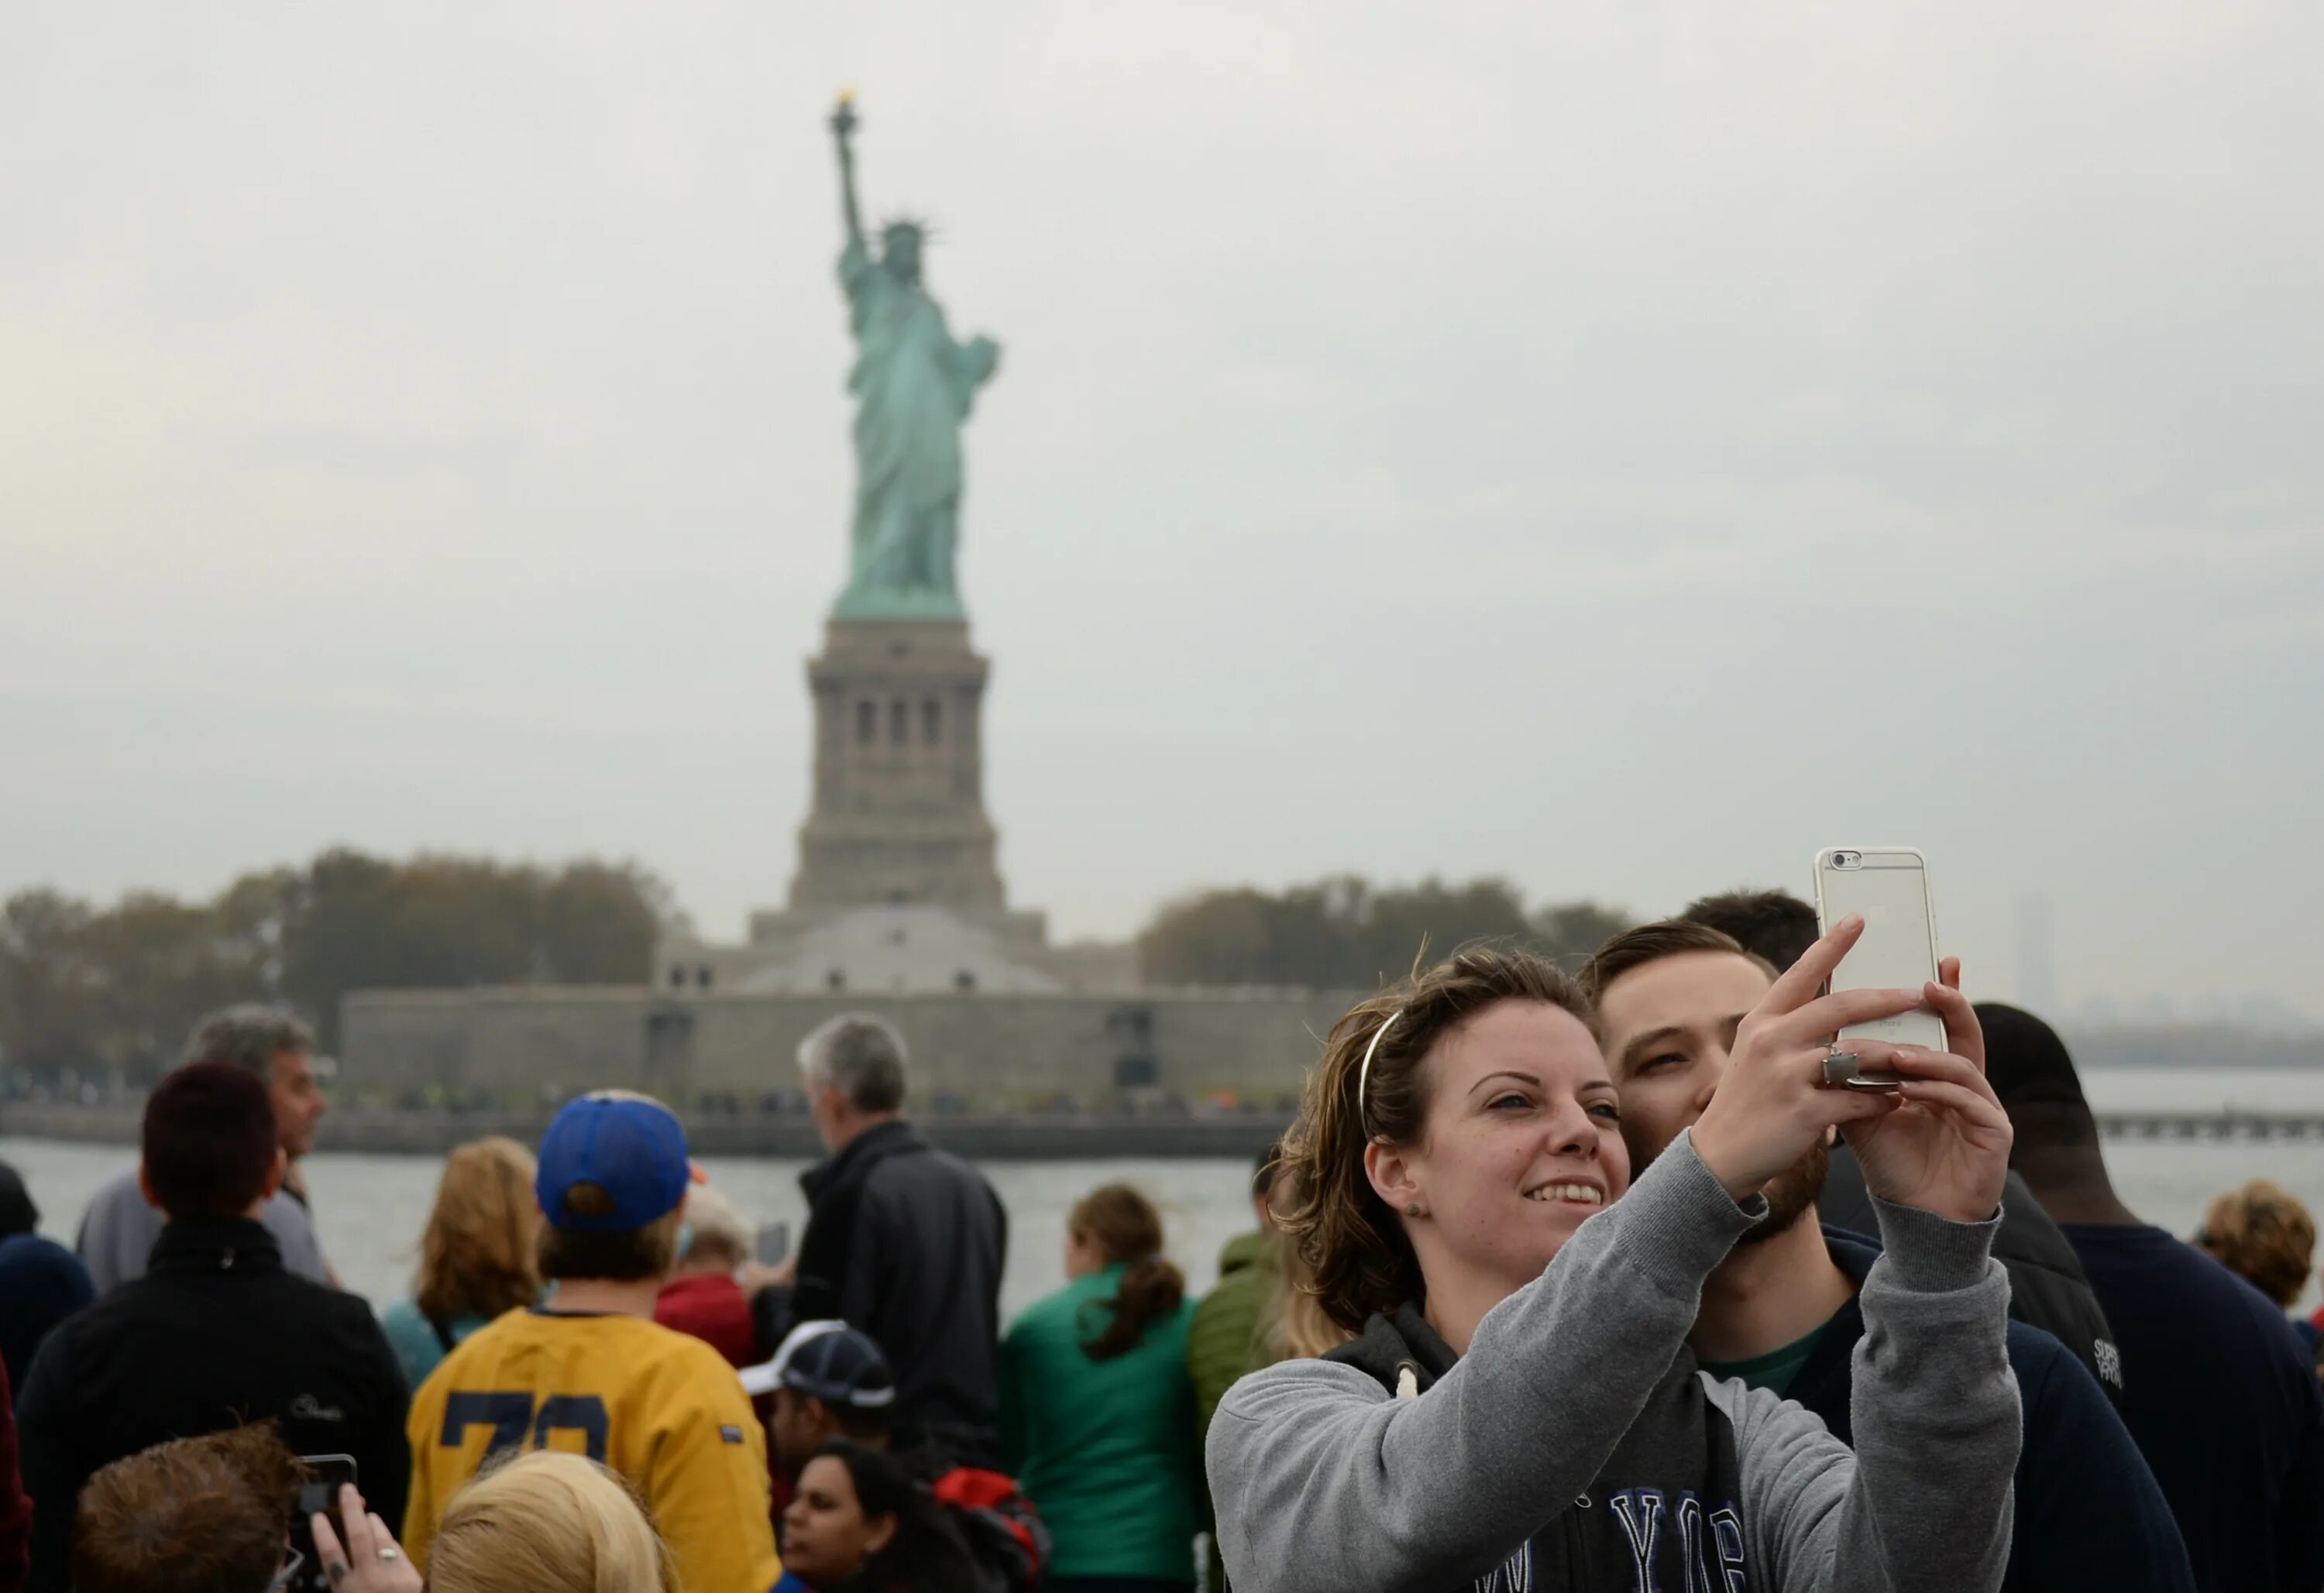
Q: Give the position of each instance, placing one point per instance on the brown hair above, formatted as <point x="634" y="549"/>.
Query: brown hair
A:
<point x="209" y="1140"/>
<point x="1125" y="1228"/>
<point x="1292" y="1325"/>
<point x="1349" y="1239"/>
<point x="1771" y="924"/>
<point x="627" y="1255"/>
<point x="2262" y="1233"/>
<point x="476" y="1257"/>
<point x="1651" y="942"/>
<point x="193" y="1515"/>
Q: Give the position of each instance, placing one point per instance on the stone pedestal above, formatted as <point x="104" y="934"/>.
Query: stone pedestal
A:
<point x="899" y="813"/>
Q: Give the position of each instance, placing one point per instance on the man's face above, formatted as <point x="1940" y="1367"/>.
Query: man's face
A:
<point x="299" y="1104"/>
<point x="800" y="1426"/>
<point x="1668" y="1028"/>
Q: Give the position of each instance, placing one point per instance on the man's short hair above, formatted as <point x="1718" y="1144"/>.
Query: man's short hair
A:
<point x="2030" y="1070"/>
<point x="1651" y="942"/>
<point x="209" y="1140"/>
<point x="193" y="1515"/>
<point x="861" y="1056"/>
<point x="627" y="1256"/>
<point x="1772" y="925"/>
<point x="250" y="1034"/>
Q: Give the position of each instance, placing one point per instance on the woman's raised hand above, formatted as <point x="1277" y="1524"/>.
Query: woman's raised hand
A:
<point x="1946" y="1146"/>
<point x="1772" y="1106"/>
<point x="370" y="1562"/>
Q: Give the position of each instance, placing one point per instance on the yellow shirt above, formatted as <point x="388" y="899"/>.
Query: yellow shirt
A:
<point x="663" y="1410"/>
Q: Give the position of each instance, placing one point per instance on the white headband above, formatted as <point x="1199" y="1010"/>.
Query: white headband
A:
<point x="1364" y="1076"/>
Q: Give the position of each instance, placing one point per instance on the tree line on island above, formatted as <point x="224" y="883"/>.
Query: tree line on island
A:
<point x="109" y="993"/>
<point x="115" y="989"/>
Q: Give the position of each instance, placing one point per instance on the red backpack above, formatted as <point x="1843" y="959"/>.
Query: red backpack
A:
<point x="1002" y="1529"/>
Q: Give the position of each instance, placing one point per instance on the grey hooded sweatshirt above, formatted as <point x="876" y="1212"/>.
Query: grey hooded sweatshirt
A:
<point x="1575" y="1446"/>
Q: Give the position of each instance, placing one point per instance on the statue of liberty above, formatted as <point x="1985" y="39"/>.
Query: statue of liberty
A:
<point x="913" y="388"/>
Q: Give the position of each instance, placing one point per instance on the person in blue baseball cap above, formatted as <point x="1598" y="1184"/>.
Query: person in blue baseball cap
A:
<point x="591" y="1371"/>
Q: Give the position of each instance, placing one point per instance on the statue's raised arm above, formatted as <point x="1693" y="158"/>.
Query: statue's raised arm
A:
<point x="843" y="134"/>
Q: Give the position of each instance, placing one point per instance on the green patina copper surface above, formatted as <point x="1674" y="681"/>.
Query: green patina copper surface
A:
<point x="913" y="387"/>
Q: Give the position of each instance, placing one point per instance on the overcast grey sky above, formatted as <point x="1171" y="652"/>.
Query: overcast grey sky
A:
<point x="1622" y="445"/>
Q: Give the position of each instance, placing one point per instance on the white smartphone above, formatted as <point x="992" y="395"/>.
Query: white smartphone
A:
<point x="1889" y="888"/>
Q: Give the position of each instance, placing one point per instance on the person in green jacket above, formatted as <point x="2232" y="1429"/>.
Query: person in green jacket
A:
<point x="1228" y="1336"/>
<point x="1097" y="1410"/>
<point x="1231" y="1332"/>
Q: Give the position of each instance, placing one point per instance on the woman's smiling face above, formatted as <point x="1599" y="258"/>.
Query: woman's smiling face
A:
<point x="1522" y="1143"/>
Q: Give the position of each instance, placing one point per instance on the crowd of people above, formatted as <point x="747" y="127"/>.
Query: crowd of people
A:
<point x="1583" y="1280"/>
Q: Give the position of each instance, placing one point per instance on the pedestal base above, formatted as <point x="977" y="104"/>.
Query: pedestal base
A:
<point x="899" y="817"/>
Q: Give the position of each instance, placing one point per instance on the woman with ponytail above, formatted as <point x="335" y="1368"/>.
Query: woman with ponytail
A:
<point x="1097" y="1410"/>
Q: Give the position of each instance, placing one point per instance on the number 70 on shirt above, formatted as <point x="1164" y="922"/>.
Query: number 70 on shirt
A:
<point x="515" y="1419"/>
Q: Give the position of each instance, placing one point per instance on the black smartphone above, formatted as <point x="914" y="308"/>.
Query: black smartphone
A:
<point x="319" y="1495"/>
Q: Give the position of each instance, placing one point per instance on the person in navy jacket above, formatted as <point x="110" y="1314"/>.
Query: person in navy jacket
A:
<point x="1781" y="1313"/>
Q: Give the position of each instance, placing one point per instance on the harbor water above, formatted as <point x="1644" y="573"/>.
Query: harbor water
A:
<point x="370" y="1208"/>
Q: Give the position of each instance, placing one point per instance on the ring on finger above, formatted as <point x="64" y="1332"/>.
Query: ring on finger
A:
<point x="1840" y="1067"/>
<point x="390" y="1551"/>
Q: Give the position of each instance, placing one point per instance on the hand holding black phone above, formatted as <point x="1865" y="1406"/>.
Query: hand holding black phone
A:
<point x="317" y="1495"/>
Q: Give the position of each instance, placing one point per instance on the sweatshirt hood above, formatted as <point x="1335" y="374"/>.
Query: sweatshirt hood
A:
<point x="1390" y="1347"/>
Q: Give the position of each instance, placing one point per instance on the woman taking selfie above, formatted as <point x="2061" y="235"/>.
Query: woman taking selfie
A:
<point x="1520" y="1410"/>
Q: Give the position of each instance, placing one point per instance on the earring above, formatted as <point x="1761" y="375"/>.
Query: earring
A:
<point x="1413" y="1210"/>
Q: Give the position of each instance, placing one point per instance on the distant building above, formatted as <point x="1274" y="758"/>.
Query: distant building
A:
<point x="897" y="906"/>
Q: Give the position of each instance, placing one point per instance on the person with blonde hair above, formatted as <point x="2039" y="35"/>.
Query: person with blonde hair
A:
<point x="2263" y="1236"/>
<point x="476" y="1256"/>
<point x="702" y="1299"/>
<point x="547" y="1522"/>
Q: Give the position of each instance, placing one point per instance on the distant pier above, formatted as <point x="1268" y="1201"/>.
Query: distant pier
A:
<point x="2229" y="1124"/>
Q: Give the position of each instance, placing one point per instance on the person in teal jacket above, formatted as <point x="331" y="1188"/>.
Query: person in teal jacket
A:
<point x="476" y="1256"/>
<point x="1097" y="1410"/>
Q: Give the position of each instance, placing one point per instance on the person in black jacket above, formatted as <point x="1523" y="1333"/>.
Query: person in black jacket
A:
<point x="2047" y="1285"/>
<point x="1782" y="1312"/>
<point x="215" y="1335"/>
<point x="2222" y="1398"/>
<point x="902" y="1241"/>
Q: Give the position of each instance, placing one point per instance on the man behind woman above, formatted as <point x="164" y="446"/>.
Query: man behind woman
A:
<point x="1097" y="1417"/>
<point x="1520" y="1410"/>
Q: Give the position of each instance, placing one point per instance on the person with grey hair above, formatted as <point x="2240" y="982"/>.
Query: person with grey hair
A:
<point x="118" y="1228"/>
<point x="902" y="1241"/>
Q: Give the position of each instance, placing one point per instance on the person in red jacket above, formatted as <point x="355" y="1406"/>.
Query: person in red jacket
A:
<point x="702" y="1299"/>
<point x="16" y="1509"/>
